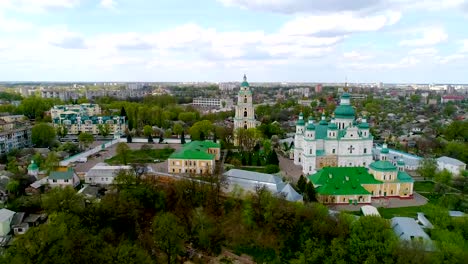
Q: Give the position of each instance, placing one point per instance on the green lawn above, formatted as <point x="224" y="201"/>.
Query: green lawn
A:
<point x="426" y="186"/>
<point x="402" y="211"/>
<point x="259" y="169"/>
<point x="143" y="156"/>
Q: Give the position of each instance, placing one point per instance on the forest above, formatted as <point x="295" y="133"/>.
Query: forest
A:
<point x="143" y="220"/>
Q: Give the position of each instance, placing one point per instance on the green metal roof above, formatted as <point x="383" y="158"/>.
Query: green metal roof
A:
<point x="384" y="151"/>
<point x="332" y="126"/>
<point x="310" y="126"/>
<point x="244" y="84"/>
<point x="344" y="111"/>
<point x="321" y="131"/>
<point x="33" y="166"/>
<point x="382" y="165"/>
<point x="342" y="180"/>
<point x="300" y="121"/>
<point x="62" y="175"/>
<point x="196" y="150"/>
<point x="400" y="162"/>
<point x="404" y="177"/>
<point x="345" y="95"/>
<point x="363" y="125"/>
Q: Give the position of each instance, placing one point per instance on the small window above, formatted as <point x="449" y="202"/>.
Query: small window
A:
<point x="333" y="151"/>
<point x="365" y="150"/>
<point x="311" y="151"/>
<point x="54" y="180"/>
<point x="66" y="180"/>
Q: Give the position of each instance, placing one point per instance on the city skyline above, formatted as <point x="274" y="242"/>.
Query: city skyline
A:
<point x="279" y="41"/>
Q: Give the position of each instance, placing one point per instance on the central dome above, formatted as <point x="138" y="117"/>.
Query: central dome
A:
<point x="345" y="111"/>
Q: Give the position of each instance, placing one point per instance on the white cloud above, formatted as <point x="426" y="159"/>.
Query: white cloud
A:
<point x="429" y="36"/>
<point x="60" y="36"/>
<point x="339" y="23"/>
<point x="13" y="25"/>
<point x="423" y="52"/>
<point x="404" y="62"/>
<point x="452" y="58"/>
<point x="354" y="55"/>
<point x="464" y="44"/>
<point x="37" y="5"/>
<point x="108" y="4"/>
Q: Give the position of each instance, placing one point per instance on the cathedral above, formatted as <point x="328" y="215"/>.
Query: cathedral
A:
<point x="245" y="116"/>
<point x="340" y="142"/>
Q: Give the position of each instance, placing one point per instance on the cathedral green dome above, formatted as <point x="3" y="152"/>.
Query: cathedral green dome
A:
<point x="382" y="166"/>
<point x="310" y="126"/>
<point x="300" y="121"/>
<point x="345" y="96"/>
<point x="363" y="125"/>
<point x="400" y="162"/>
<point x="384" y="151"/>
<point x="33" y="166"/>
<point x="344" y="111"/>
<point x="332" y="126"/>
<point x="244" y="84"/>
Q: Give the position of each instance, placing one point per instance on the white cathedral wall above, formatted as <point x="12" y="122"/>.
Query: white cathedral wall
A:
<point x="330" y="145"/>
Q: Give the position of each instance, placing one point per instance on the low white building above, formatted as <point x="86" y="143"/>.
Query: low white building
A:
<point x="103" y="174"/>
<point x="63" y="177"/>
<point x="250" y="181"/>
<point x="411" y="161"/>
<point x="6" y="216"/>
<point x="407" y="229"/>
<point x="453" y="165"/>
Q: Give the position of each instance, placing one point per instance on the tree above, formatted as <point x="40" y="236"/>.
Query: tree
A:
<point x="104" y="129"/>
<point x="182" y="138"/>
<point x="201" y="129"/>
<point x="43" y="135"/>
<point x="70" y="147"/>
<point x="13" y="187"/>
<point x="270" y="169"/>
<point x="62" y="131"/>
<point x="427" y="168"/>
<point x="123" y="112"/>
<point x="443" y="176"/>
<point x="177" y="128"/>
<point x="309" y="193"/>
<point x="450" y="109"/>
<point x="12" y="165"/>
<point x="147" y="130"/>
<point x="247" y="138"/>
<point x="168" y="235"/>
<point x="161" y="138"/>
<point x="85" y="139"/>
<point x="273" y="158"/>
<point x="123" y="150"/>
<point x="301" y="184"/>
<point x="129" y="138"/>
<point x="51" y="162"/>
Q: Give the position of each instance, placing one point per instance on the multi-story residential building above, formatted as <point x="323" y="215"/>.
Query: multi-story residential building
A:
<point x="196" y="157"/>
<point x="15" y="133"/>
<point x="84" y="118"/>
<point x="63" y="95"/>
<point x="81" y="109"/>
<point x="213" y="102"/>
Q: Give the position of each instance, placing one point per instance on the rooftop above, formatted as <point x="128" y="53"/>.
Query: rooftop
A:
<point x="451" y="161"/>
<point x="382" y="165"/>
<point x="197" y="150"/>
<point x="6" y="214"/>
<point x="62" y="174"/>
<point x="342" y="180"/>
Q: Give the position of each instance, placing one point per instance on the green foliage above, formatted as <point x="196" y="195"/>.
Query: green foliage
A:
<point x="443" y="176"/>
<point x="457" y="150"/>
<point x="51" y="162"/>
<point x="427" y="169"/>
<point x="270" y="169"/>
<point x="309" y="193"/>
<point x="104" y="129"/>
<point x="168" y="235"/>
<point x="141" y="156"/>
<point x="62" y="131"/>
<point x="273" y="158"/>
<point x="85" y="139"/>
<point x="70" y="147"/>
<point x="123" y="151"/>
<point x="7" y="96"/>
<point x="147" y="130"/>
<point x="457" y="130"/>
<point x="177" y="128"/>
<point x="43" y="135"/>
<point x="34" y="107"/>
<point x="201" y="129"/>
<point x="301" y="184"/>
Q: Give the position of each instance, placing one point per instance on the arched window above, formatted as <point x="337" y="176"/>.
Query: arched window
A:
<point x="245" y="99"/>
<point x="245" y="113"/>
<point x="310" y="152"/>
<point x="365" y="150"/>
<point x="245" y="126"/>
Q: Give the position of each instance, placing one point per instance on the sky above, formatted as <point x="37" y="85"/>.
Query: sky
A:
<point x="393" y="41"/>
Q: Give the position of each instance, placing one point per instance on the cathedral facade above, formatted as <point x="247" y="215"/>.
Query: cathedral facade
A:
<point x="245" y="114"/>
<point x="340" y="142"/>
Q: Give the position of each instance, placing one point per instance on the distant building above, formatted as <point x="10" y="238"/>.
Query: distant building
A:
<point x="84" y="118"/>
<point x="15" y="133"/>
<point x="103" y="174"/>
<point x="6" y="216"/>
<point x="64" y="95"/>
<point x="62" y="177"/>
<point x="407" y="229"/>
<point x="228" y="86"/>
<point x="451" y="98"/>
<point x="318" y="88"/>
<point x="411" y="161"/>
<point x="213" y="102"/>
<point x="196" y="157"/>
<point x="453" y="165"/>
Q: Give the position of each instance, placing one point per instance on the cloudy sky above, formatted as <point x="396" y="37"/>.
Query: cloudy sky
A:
<point x="220" y="40"/>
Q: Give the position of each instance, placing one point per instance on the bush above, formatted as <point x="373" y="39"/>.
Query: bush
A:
<point x="272" y="169"/>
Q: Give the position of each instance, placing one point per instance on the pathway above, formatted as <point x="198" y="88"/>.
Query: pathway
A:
<point x="290" y="171"/>
<point x="417" y="200"/>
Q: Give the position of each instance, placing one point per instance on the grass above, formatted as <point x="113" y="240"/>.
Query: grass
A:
<point x="142" y="156"/>
<point x="259" y="169"/>
<point x="401" y="211"/>
<point x="425" y="186"/>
